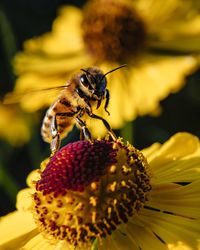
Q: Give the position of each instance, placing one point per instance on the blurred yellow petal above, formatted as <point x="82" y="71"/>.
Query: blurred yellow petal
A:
<point x="155" y="78"/>
<point x="40" y="64"/>
<point x="24" y="199"/>
<point x="175" y="18"/>
<point x="180" y="246"/>
<point x="50" y="59"/>
<point x="182" y="44"/>
<point x="138" y="90"/>
<point x="151" y="151"/>
<point x="59" y="42"/>
<point x="14" y="126"/>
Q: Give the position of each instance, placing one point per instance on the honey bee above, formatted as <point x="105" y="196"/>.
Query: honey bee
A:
<point x="76" y="99"/>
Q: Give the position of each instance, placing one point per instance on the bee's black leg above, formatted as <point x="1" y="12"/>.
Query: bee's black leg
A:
<point x="107" y="96"/>
<point x="85" y="133"/>
<point x="106" y="124"/>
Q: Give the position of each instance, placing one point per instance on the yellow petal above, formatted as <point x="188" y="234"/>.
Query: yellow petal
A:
<point x="181" y="144"/>
<point x="150" y="152"/>
<point x="177" y="199"/>
<point x="170" y="228"/>
<point x="15" y="228"/>
<point x="177" y="160"/>
<point x="40" y="243"/>
<point x="134" y="237"/>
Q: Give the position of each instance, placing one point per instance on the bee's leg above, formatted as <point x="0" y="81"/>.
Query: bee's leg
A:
<point x="107" y="96"/>
<point x="85" y="133"/>
<point x="106" y="124"/>
<point x="81" y="135"/>
<point x="55" y="143"/>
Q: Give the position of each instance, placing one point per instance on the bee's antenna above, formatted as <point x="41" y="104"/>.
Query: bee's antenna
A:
<point x="122" y="66"/>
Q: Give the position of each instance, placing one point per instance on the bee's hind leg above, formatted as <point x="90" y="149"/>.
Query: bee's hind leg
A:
<point x="85" y="133"/>
<point x="55" y="143"/>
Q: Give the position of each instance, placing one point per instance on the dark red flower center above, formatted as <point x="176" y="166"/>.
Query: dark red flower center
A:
<point x="75" y="166"/>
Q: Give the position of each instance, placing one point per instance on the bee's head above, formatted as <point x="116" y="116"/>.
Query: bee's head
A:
<point x="94" y="82"/>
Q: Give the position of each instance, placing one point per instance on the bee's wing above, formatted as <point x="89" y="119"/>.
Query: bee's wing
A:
<point x="16" y="97"/>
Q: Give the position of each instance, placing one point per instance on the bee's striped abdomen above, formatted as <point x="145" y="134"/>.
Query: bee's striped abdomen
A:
<point x="64" y="123"/>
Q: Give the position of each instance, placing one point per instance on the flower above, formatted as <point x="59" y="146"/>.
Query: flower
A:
<point x="107" y="193"/>
<point x="13" y="125"/>
<point x="107" y="34"/>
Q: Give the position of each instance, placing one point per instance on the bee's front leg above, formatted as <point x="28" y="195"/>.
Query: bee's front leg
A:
<point x="106" y="124"/>
<point x="55" y="143"/>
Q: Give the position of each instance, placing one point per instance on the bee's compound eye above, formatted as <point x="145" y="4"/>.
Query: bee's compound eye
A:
<point x="84" y="80"/>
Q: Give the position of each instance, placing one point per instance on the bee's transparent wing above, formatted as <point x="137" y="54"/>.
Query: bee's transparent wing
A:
<point x="16" y="97"/>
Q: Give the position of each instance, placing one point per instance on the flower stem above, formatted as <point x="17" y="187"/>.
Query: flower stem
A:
<point x="127" y="132"/>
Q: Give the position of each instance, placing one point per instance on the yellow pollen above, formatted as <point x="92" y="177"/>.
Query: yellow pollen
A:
<point x="93" y="201"/>
<point x="112" y="169"/>
<point x="94" y="186"/>
<point x="79" y="206"/>
<point x="132" y="160"/>
<point x="126" y="170"/>
<point x="112" y="186"/>
<point x="94" y="216"/>
<point x="123" y="184"/>
<point x="109" y="210"/>
<point x="114" y="201"/>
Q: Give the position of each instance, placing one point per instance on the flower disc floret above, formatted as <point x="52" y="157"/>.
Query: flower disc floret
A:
<point x="76" y="166"/>
<point x="88" y="189"/>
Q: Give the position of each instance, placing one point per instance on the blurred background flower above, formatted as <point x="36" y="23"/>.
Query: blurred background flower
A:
<point x="54" y="44"/>
<point x="127" y="33"/>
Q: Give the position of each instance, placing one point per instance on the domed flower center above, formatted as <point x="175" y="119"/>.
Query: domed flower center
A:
<point x="88" y="189"/>
<point x="113" y="30"/>
<point x="75" y="167"/>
